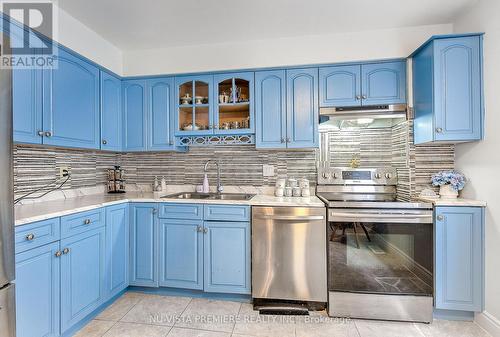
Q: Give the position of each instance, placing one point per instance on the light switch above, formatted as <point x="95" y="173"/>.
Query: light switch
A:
<point x="268" y="170"/>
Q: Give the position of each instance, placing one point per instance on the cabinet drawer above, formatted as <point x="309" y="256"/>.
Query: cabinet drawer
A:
<point x="37" y="234"/>
<point x="181" y="211"/>
<point x="227" y="213"/>
<point x="81" y="222"/>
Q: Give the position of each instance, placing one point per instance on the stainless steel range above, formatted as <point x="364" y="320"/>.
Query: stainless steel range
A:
<point x="380" y="250"/>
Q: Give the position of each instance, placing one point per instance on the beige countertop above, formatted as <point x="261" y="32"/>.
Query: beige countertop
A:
<point x="49" y="209"/>
<point x="454" y="202"/>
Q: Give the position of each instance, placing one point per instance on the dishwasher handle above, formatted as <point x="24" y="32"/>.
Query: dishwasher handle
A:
<point x="290" y="217"/>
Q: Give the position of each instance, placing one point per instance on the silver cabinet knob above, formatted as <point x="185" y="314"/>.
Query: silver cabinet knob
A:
<point x="205" y="230"/>
<point x="171" y="142"/>
<point x="87" y="221"/>
<point x="358" y="97"/>
<point x="40" y="133"/>
<point x="30" y="237"/>
<point x="440" y="217"/>
<point x="199" y="228"/>
<point x="154" y="211"/>
<point x="363" y="96"/>
<point x="288" y="140"/>
<point x="48" y="134"/>
<point x="65" y="251"/>
<point x="439" y="130"/>
<point x="104" y="142"/>
<point x="58" y="253"/>
<point x="282" y="140"/>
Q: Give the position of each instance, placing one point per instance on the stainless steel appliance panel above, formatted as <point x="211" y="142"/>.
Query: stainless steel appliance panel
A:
<point x="289" y="253"/>
<point x="7" y="311"/>
<point x="6" y="180"/>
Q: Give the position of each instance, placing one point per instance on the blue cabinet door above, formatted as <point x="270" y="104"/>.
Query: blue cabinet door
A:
<point x="227" y="257"/>
<point x="459" y="255"/>
<point x="27" y="105"/>
<point x="111" y="112"/>
<point x="240" y="108"/>
<point x="134" y="115"/>
<point x="117" y="249"/>
<point x="143" y="244"/>
<point x="270" y="109"/>
<point x="71" y="103"/>
<point x="160" y="113"/>
<point x="340" y="86"/>
<point x="82" y="276"/>
<point x="37" y="292"/>
<point x="383" y="83"/>
<point x="194" y="117"/>
<point x="457" y="92"/>
<point x="181" y="253"/>
<point x="302" y="108"/>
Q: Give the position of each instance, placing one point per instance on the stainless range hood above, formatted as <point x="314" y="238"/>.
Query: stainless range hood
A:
<point x="369" y="111"/>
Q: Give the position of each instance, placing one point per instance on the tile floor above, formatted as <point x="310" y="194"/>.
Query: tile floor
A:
<point x="142" y="315"/>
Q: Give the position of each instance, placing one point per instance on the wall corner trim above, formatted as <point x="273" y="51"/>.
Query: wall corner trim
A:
<point x="488" y="322"/>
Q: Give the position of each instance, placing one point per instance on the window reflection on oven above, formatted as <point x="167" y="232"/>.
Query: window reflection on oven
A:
<point x="380" y="258"/>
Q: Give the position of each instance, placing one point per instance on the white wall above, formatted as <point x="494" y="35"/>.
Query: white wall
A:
<point x="480" y="161"/>
<point x="368" y="45"/>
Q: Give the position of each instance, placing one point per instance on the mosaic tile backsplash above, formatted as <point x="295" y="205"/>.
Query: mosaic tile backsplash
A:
<point x="35" y="166"/>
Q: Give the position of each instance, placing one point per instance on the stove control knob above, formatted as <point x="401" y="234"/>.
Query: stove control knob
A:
<point x="378" y="176"/>
<point x="335" y="175"/>
<point x="326" y="175"/>
<point x="388" y="175"/>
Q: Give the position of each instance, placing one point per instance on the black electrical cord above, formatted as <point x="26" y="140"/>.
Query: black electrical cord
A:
<point x="67" y="175"/>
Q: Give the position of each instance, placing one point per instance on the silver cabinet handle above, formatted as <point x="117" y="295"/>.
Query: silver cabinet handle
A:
<point x="104" y="142"/>
<point x="58" y="253"/>
<point x="48" y="134"/>
<point x="65" y="251"/>
<point x="439" y="130"/>
<point x="40" y="133"/>
<point x="440" y="217"/>
<point x="30" y="237"/>
<point x="87" y="222"/>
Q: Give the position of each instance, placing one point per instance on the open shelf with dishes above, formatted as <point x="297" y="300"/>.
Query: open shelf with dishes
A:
<point x="194" y="105"/>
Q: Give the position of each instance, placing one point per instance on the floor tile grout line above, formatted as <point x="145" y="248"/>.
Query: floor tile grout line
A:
<point x="237" y="315"/>
<point x="182" y="313"/>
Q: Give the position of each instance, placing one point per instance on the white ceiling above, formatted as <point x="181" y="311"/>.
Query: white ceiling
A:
<point x="151" y="24"/>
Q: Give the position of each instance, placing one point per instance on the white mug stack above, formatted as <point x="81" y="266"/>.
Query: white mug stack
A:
<point x="292" y="188"/>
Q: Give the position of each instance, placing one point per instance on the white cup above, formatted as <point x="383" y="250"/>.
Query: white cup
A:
<point x="279" y="191"/>
<point x="303" y="183"/>
<point x="292" y="183"/>
<point x="296" y="191"/>
<point x="288" y="192"/>
<point x="306" y="192"/>
<point x="281" y="183"/>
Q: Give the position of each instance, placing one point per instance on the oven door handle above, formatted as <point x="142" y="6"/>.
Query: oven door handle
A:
<point x="380" y="217"/>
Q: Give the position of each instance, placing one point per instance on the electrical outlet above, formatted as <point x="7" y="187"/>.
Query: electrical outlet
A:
<point x="63" y="171"/>
<point x="268" y="170"/>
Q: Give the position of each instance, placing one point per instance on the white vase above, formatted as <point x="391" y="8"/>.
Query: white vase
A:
<point x="447" y="192"/>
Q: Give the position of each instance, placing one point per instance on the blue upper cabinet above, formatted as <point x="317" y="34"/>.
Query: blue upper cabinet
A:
<point x="270" y="108"/>
<point x="134" y="115"/>
<point x="194" y="106"/>
<point x="459" y="258"/>
<point x="302" y="108"/>
<point x="111" y="112"/>
<point x="340" y="86"/>
<point x="27" y="105"/>
<point x="71" y="103"/>
<point x="160" y="113"/>
<point x="383" y="83"/>
<point x="233" y="98"/>
<point x="143" y="244"/>
<point x="448" y="89"/>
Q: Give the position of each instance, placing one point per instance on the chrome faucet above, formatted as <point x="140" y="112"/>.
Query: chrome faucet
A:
<point x="219" y="186"/>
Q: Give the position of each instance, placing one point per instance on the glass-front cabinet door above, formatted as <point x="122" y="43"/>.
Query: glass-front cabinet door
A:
<point x="194" y="109"/>
<point x="234" y="103"/>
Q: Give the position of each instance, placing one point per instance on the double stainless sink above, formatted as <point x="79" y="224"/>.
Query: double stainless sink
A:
<point x="210" y="196"/>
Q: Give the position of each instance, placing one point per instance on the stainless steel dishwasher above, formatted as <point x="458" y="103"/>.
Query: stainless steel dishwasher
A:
<point x="289" y="254"/>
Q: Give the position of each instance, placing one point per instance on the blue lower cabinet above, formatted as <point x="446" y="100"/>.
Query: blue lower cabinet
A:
<point x="117" y="249"/>
<point x="82" y="276"/>
<point x="459" y="258"/>
<point x="227" y="257"/>
<point x="37" y="292"/>
<point x="143" y="244"/>
<point x="181" y="254"/>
